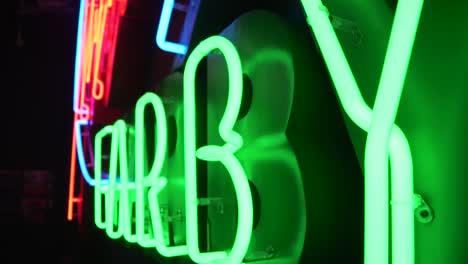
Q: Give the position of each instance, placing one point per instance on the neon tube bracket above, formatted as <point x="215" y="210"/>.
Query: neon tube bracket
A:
<point x="422" y="211"/>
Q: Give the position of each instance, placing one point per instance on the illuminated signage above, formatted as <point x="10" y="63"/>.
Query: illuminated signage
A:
<point x="121" y="188"/>
<point x="163" y="26"/>
<point x="96" y="40"/>
<point x="161" y="33"/>
<point x="149" y="181"/>
<point x="98" y="25"/>
<point x="384" y="137"/>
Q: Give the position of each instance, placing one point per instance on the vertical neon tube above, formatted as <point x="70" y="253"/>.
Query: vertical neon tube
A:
<point x="90" y="41"/>
<point x="98" y="189"/>
<point x="85" y="64"/>
<point x="161" y="247"/>
<point x="76" y="88"/>
<point x="153" y="178"/>
<point x="223" y="154"/>
<point x="80" y="152"/>
<point x="112" y="217"/>
<point x="161" y="33"/>
<point x="78" y="56"/>
<point x="144" y="179"/>
<point x="71" y="186"/>
<point x="125" y="186"/>
<point x="385" y="109"/>
<point x="97" y="84"/>
<point x="376" y="187"/>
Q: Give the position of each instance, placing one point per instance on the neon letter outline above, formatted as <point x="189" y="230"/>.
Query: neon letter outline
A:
<point x="384" y="137"/>
<point x="223" y="154"/>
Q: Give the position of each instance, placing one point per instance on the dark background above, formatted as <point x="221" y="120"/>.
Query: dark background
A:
<point x="36" y="102"/>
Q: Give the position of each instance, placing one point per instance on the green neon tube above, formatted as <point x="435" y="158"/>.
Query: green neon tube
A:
<point x="98" y="190"/>
<point x="125" y="185"/>
<point x="223" y="154"/>
<point x="144" y="179"/>
<point x="112" y="218"/>
<point x="386" y="105"/>
<point x="161" y="247"/>
<point x="376" y="174"/>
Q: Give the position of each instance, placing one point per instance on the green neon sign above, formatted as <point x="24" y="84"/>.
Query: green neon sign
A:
<point x="149" y="182"/>
<point x="213" y="153"/>
<point x="384" y="139"/>
<point x="145" y="178"/>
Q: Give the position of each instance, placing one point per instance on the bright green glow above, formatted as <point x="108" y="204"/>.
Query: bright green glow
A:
<point x="125" y="185"/>
<point x="384" y="136"/>
<point x="157" y="223"/>
<point x="98" y="190"/>
<point x="111" y="203"/>
<point x="149" y="180"/>
<point x="223" y="154"/>
<point x="119" y="159"/>
<point x="380" y="133"/>
<point x="111" y="218"/>
<point x="143" y="179"/>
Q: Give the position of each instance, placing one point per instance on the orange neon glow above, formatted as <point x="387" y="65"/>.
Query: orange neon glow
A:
<point x="71" y="186"/>
<point x="89" y="43"/>
<point x="112" y="30"/>
<point x="101" y="21"/>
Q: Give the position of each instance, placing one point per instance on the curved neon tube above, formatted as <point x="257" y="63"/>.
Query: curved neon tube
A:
<point x="115" y="156"/>
<point x="119" y="188"/>
<point x="143" y="179"/>
<point x="125" y="219"/>
<point x="376" y="180"/>
<point x="98" y="190"/>
<point x="380" y="133"/>
<point x="223" y="154"/>
<point x="161" y="247"/>
<point x="161" y="33"/>
<point x="89" y="42"/>
<point x="92" y="21"/>
<point x="98" y="85"/>
<point x="119" y="152"/>
<point x="71" y="185"/>
<point x="78" y="57"/>
<point x="80" y="154"/>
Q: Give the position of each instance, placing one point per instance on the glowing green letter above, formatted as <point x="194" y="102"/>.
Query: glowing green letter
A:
<point x="223" y="154"/>
<point x="384" y="137"/>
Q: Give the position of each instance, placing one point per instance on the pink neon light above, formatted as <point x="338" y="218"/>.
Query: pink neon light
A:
<point x="100" y="27"/>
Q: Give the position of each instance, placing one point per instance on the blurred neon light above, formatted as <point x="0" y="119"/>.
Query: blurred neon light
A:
<point x="95" y="19"/>
<point x="384" y="137"/>
<point x="98" y="189"/>
<point x="125" y="217"/>
<point x="214" y="153"/>
<point x="116" y="159"/>
<point x="148" y="176"/>
<point x="80" y="153"/>
<point x="142" y="183"/>
<point x="71" y="185"/>
<point x="98" y="24"/>
<point x="161" y="247"/>
<point x="161" y="33"/>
